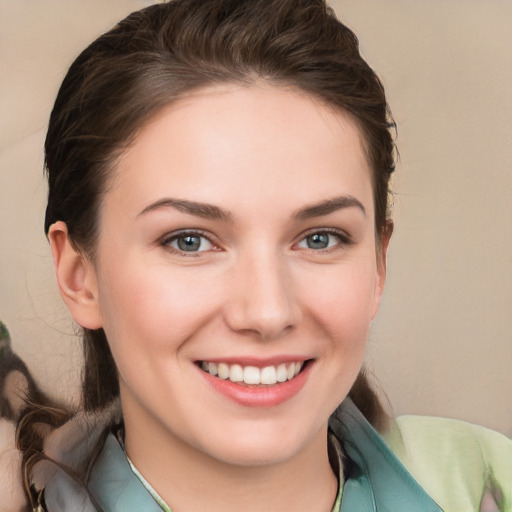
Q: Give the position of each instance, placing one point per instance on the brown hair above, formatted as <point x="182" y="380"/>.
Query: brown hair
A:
<point x="165" y="51"/>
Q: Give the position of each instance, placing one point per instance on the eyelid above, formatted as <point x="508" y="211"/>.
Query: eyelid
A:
<point x="169" y="237"/>
<point x="344" y="237"/>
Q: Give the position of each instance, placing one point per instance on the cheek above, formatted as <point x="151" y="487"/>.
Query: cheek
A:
<point x="341" y="300"/>
<point x="151" y="309"/>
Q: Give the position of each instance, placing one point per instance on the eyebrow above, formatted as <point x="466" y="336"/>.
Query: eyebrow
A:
<point x="207" y="211"/>
<point x="210" y="211"/>
<point x="329" y="206"/>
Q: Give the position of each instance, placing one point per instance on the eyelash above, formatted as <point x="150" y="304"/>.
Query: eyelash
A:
<point x="343" y="240"/>
<point x="166" y="241"/>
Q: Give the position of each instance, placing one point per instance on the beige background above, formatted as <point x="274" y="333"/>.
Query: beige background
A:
<point x="442" y="344"/>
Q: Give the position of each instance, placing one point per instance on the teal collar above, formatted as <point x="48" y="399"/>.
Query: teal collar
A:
<point x="375" y="480"/>
<point x="115" y="486"/>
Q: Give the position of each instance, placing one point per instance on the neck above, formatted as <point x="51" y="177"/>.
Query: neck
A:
<point x="188" y="480"/>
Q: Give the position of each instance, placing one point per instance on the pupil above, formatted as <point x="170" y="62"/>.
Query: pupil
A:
<point x="189" y="243"/>
<point x="318" y="241"/>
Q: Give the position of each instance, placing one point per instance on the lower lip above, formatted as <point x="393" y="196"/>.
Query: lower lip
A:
<point x="254" y="396"/>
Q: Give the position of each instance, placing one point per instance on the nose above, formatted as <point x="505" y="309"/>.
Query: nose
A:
<point x="262" y="298"/>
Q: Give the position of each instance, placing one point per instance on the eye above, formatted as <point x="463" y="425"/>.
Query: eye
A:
<point x="190" y="242"/>
<point x="320" y="240"/>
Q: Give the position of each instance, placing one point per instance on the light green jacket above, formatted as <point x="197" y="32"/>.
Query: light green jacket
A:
<point x="451" y="466"/>
<point x="463" y="467"/>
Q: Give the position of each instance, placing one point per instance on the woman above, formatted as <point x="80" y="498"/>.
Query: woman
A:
<point x="218" y="216"/>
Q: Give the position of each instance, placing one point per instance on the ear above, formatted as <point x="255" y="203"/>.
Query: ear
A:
<point x="382" y="252"/>
<point x="76" y="278"/>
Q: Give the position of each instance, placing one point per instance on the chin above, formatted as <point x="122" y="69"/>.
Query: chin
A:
<point x="264" y="445"/>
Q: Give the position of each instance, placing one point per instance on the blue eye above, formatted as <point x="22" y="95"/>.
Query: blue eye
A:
<point x="320" y="240"/>
<point x="189" y="242"/>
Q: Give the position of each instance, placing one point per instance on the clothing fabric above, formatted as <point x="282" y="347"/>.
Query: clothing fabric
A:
<point x="460" y="465"/>
<point x="418" y="465"/>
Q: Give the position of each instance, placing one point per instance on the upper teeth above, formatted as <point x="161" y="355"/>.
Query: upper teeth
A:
<point x="253" y="374"/>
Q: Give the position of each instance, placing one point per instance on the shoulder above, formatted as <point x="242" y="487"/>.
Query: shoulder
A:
<point x="462" y="466"/>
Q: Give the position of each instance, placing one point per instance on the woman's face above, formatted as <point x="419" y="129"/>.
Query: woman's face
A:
<point x="237" y="246"/>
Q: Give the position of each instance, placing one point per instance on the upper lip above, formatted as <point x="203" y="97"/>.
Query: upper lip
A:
<point x="259" y="362"/>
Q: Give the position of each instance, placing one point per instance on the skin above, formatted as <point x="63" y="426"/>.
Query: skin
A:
<point x="256" y="288"/>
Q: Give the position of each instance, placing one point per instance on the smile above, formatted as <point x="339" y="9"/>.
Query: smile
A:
<point x="257" y="384"/>
<point x="252" y="375"/>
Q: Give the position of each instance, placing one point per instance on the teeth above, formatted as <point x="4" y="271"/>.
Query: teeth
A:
<point x="282" y="374"/>
<point x="236" y="373"/>
<point x="251" y="375"/>
<point x="269" y="375"/>
<point x="212" y="368"/>
<point x="223" y="371"/>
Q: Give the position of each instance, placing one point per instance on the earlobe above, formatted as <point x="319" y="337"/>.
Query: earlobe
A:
<point x="76" y="278"/>
<point x="381" y="265"/>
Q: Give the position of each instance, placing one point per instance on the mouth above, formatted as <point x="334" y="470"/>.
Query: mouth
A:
<point x="254" y="376"/>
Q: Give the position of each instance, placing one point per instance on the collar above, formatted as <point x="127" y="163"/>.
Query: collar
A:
<point x="375" y="480"/>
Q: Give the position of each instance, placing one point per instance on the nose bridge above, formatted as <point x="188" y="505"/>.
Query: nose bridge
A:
<point x="263" y="301"/>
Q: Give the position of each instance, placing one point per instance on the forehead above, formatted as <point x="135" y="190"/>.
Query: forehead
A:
<point x="241" y="143"/>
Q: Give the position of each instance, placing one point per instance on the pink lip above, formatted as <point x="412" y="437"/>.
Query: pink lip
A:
<point x="249" y="396"/>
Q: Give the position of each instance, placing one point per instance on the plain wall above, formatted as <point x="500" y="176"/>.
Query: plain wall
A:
<point x="442" y="344"/>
